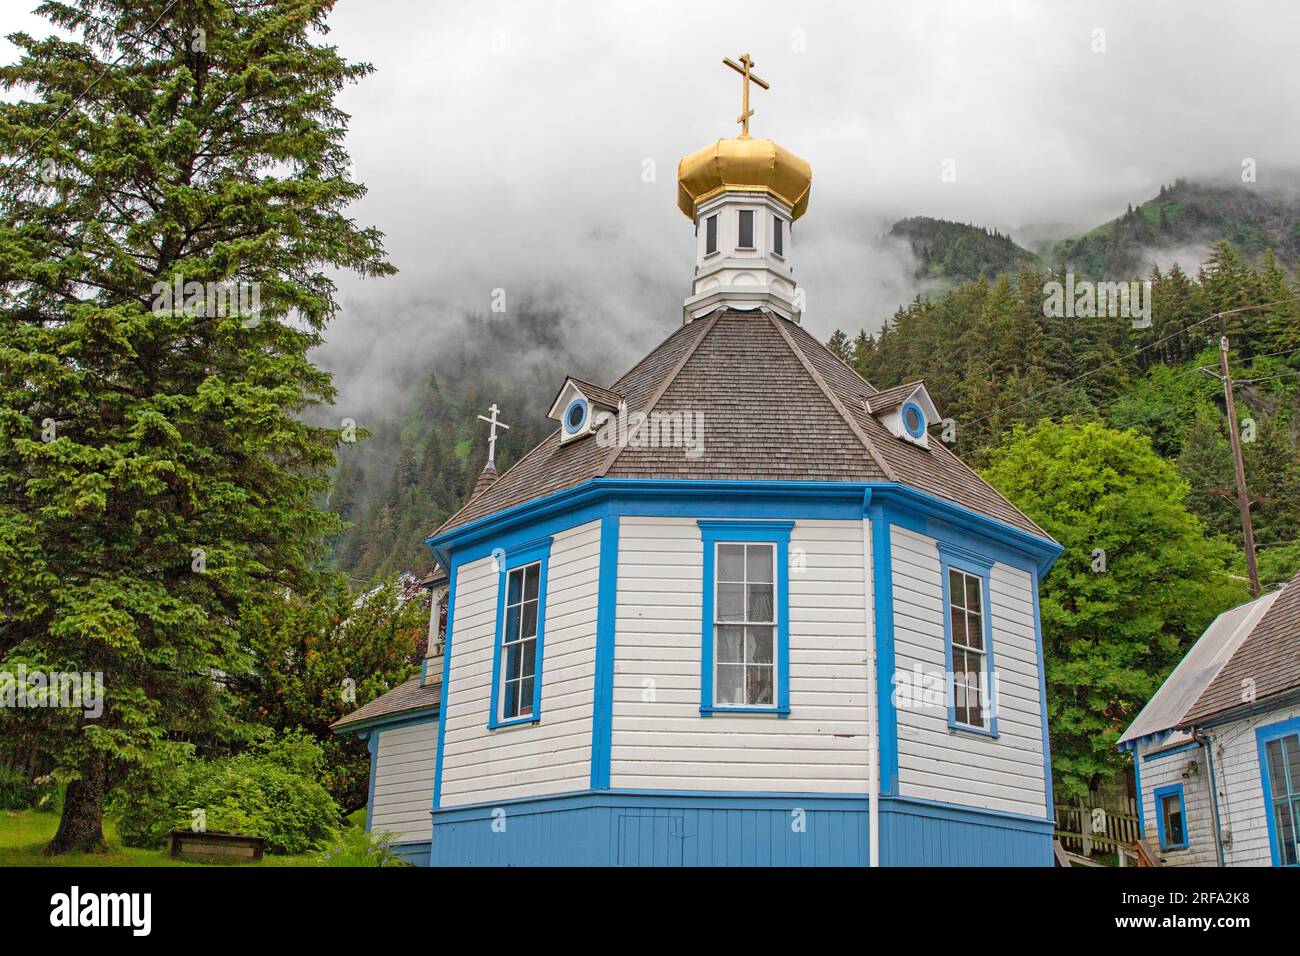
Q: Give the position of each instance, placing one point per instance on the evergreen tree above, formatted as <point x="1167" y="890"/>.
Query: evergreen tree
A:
<point x="156" y="481"/>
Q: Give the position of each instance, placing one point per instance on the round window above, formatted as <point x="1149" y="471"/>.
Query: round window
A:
<point x="575" y="416"/>
<point x="914" y="419"/>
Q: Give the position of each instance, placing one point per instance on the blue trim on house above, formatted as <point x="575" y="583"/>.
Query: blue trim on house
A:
<point x="702" y="828"/>
<point x="391" y="720"/>
<point x="1147" y="758"/>
<point x="1263" y="735"/>
<point x="713" y="532"/>
<point x="415" y="852"/>
<point x="1141" y="801"/>
<point x="744" y="499"/>
<point x="882" y="603"/>
<point x="372" y="743"/>
<point x="517" y="556"/>
<point x="902" y="416"/>
<point x="1042" y="700"/>
<point x="586" y="414"/>
<point x="446" y="683"/>
<point x="606" y="616"/>
<point x="1160" y="793"/>
<point x="976" y="565"/>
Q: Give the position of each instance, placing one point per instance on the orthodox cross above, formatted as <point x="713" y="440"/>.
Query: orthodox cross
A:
<point x="492" y="435"/>
<point x="743" y="68"/>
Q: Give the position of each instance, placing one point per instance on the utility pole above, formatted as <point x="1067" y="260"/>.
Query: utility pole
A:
<point x="1243" y="497"/>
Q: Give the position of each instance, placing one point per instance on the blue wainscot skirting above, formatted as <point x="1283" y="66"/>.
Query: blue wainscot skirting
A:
<point x="657" y="828"/>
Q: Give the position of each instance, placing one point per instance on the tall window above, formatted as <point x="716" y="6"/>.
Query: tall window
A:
<point x="969" y="656"/>
<point x="746" y="239"/>
<point x="745" y="649"/>
<point x="778" y="235"/>
<point x="711" y="235"/>
<point x="745" y="625"/>
<point x="1283" y="782"/>
<point x="1171" y="817"/>
<point x="519" y="642"/>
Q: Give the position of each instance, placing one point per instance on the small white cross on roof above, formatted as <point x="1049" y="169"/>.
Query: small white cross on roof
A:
<point x="492" y="435"/>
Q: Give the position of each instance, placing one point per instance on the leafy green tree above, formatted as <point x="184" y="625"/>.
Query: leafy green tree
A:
<point x="156" y="477"/>
<point x="322" y="655"/>
<point x="1137" y="583"/>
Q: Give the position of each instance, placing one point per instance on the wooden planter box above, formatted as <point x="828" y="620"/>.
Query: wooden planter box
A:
<point x="213" y="844"/>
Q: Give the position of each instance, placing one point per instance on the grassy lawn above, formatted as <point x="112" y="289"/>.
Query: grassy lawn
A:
<point x="24" y="833"/>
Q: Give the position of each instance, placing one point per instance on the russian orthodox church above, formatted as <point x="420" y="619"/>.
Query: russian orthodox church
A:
<point x="739" y="608"/>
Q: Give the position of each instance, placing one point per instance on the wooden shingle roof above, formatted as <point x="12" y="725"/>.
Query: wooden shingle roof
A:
<point x="778" y="405"/>
<point x="1266" y="664"/>
<point x="409" y="697"/>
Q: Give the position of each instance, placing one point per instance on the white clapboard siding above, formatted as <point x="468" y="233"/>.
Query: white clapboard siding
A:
<point x="553" y="755"/>
<point x="1241" y="791"/>
<point x="404" y="780"/>
<point x="934" y="762"/>
<point x="1166" y="771"/>
<point x="660" y="741"/>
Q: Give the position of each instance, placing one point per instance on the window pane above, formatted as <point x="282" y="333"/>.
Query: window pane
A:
<point x="746" y="229"/>
<point x="711" y="234"/>
<point x="956" y="591"/>
<point x="1276" y="770"/>
<point x="514" y="586"/>
<point x="512" y="625"/>
<point x="525" y="696"/>
<point x="958" y="618"/>
<point x="1173" y="819"/>
<point x="512" y="662"/>
<point x="778" y="235"/>
<point x="758" y="566"/>
<point x="528" y="659"/>
<point x="731" y="645"/>
<point x="1292" y="747"/>
<point x="510" y="705"/>
<point x="760" y="646"/>
<point x="974" y="631"/>
<point x="758" y="684"/>
<point x="530" y="619"/>
<point x="974" y="593"/>
<point x="730" y="688"/>
<point x="760" y="602"/>
<point x="731" y="602"/>
<point x="731" y="562"/>
<point x="534" y="572"/>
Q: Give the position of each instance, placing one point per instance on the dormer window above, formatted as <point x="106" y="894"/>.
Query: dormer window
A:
<point x="746" y="235"/>
<point x="778" y="236"/>
<point x="711" y="235"/>
<point x="582" y="408"/>
<point x="906" y="410"/>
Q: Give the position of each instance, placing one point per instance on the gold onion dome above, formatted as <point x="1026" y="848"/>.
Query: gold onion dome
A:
<point x="743" y="165"/>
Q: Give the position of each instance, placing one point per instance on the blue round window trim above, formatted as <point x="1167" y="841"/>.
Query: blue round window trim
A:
<point x="575" y="416"/>
<point x="914" y="419"/>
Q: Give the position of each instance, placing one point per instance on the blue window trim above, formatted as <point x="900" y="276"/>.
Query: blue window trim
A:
<point x="530" y="552"/>
<point x="902" y="414"/>
<point x="586" y="414"/>
<point x="372" y="744"/>
<point x="1263" y="735"/>
<point x="760" y="532"/>
<point x="606" y="618"/>
<point x="962" y="559"/>
<point x="1160" y="794"/>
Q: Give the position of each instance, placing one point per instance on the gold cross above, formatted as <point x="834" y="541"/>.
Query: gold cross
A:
<point x="743" y="68"/>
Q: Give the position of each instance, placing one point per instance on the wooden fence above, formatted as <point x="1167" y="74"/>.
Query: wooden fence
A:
<point x="1099" y="824"/>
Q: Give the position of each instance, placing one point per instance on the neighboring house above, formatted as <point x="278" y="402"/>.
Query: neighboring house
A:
<point x="740" y="608"/>
<point x="1216" y="752"/>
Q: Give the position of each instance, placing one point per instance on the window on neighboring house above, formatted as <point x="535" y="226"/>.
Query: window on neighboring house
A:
<point x="521" y="623"/>
<point x="746" y="623"/>
<point x="1282" y="782"/>
<point x="969" y="656"/>
<point x="746" y="239"/>
<point x="711" y="235"/>
<point x="778" y="235"/>
<point x="1171" y="817"/>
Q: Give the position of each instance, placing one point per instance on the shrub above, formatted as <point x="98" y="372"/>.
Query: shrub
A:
<point x="19" y="793"/>
<point x="273" y="791"/>
<point x="356" y="847"/>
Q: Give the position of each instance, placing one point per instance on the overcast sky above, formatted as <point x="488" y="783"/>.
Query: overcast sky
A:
<point x="504" y="143"/>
